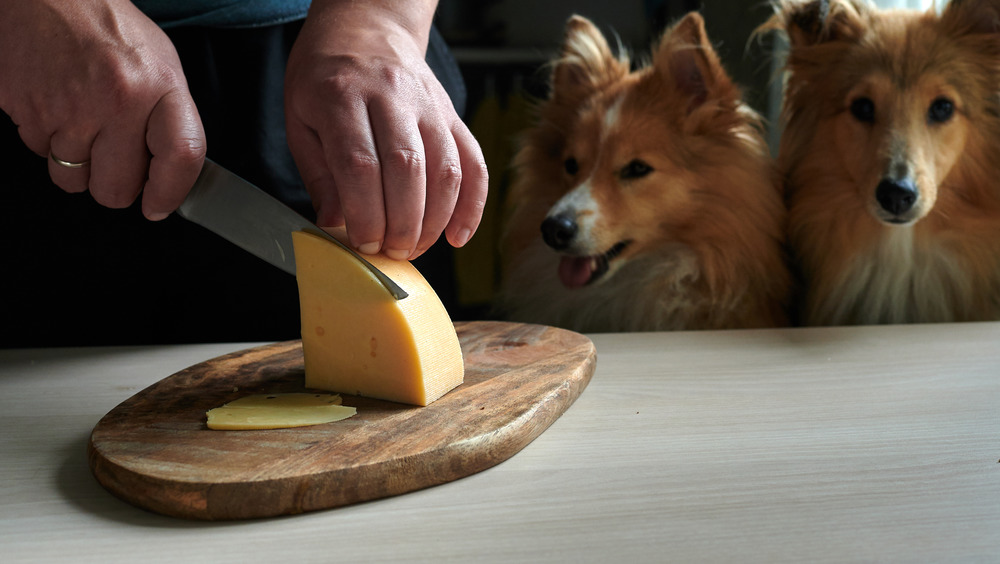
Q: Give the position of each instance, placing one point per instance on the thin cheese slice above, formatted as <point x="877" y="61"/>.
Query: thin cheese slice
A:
<point x="357" y="339"/>
<point x="277" y="411"/>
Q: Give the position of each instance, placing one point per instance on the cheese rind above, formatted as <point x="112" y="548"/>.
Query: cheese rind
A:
<point x="357" y="339"/>
<point x="278" y="411"/>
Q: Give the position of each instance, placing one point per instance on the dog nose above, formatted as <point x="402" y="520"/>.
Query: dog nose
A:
<point x="896" y="196"/>
<point x="558" y="231"/>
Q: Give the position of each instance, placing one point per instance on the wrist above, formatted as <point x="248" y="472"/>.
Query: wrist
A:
<point x="392" y="20"/>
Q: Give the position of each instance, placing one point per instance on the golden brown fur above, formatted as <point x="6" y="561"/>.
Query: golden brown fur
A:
<point x="941" y="261"/>
<point x="702" y="228"/>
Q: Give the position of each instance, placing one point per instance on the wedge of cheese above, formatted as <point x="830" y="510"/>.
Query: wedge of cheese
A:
<point x="278" y="411"/>
<point x="357" y="339"/>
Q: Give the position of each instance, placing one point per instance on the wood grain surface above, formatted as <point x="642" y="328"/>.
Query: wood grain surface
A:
<point x="155" y="451"/>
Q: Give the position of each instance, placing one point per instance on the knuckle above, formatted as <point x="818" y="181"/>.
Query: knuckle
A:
<point x="336" y="88"/>
<point x="128" y="82"/>
<point x="480" y="170"/>
<point x="117" y="84"/>
<point x="450" y="178"/>
<point x="479" y="206"/>
<point x="476" y="206"/>
<point x="185" y="150"/>
<point x="359" y="164"/>
<point x="395" y="77"/>
<point x="341" y="85"/>
<point x="406" y="159"/>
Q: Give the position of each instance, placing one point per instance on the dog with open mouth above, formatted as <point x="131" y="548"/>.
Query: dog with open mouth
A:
<point x="891" y="158"/>
<point x="644" y="199"/>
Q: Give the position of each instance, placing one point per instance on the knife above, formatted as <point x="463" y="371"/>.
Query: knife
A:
<point x="257" y="222"/>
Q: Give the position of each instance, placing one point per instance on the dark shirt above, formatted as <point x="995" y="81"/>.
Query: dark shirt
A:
<point x="223" y="13"/>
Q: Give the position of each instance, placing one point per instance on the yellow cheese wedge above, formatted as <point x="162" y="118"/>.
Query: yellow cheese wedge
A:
<point x="277" y="411"/>
<point x="357" y="339"/>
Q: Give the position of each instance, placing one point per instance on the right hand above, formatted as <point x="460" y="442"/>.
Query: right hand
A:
<point x="98" y="81"/>
<point x="373" y="132"/>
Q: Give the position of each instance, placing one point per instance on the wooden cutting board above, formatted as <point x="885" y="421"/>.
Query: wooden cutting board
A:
<point x="155" y="451"/>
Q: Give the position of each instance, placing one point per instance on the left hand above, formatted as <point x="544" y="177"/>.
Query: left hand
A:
<point x="98" y="83"/>
<point x="374" y="134"/>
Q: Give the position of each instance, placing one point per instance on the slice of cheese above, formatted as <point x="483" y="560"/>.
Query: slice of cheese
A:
<point x="357" y="339"/>
<point x="277" y="411"/>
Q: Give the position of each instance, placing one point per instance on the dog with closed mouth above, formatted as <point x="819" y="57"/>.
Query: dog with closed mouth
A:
<point x="890" y="156"/>
<point x="644" y="199"/>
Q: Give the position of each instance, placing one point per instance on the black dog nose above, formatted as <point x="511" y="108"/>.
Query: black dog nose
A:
<point x="558" y="231"/>
<point x="896" y="196"/>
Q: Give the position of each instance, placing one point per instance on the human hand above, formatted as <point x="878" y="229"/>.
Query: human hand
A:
<point x="374" y="134"/>
<point x="99" y="83"/>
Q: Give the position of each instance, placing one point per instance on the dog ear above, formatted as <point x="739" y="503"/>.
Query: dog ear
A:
<point x="685" y="56"/>
<point x="585" y="63"/>
<point x="972" y="16"/>
<point x="818" y="21"/>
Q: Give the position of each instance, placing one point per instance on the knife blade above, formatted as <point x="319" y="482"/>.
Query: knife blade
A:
<point x="257" y="222"/>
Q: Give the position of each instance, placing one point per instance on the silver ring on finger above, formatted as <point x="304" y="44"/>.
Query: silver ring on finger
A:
<point x="68" y="164"/>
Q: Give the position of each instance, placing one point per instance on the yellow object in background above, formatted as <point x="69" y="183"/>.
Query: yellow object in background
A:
<point x="496" y="126"/>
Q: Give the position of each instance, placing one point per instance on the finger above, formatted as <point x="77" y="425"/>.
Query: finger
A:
<point x="69" y="160"/>
<point x="444" y="178"/>
<point x="351" y="156"/>
<point x="307" y="150"/>
<point x="472" y="195"/>
<point x="404" y="176"/>
<point x="119" y="162"/>
<point x="176" y="142"/>
<point x="35" y="139"/>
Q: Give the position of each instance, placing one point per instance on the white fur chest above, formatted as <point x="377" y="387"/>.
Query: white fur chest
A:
<point x="899" y="280"/>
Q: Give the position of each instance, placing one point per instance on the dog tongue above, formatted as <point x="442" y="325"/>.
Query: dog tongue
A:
<point x="575" y="271"/>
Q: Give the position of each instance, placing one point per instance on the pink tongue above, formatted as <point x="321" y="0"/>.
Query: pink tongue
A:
<point x="575" y="271"/>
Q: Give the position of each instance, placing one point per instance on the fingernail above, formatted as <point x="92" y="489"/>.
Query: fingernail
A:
<point x="157" y="216"/>
<point x="397" y="254"/>
<point x="463" y="237"/>
<point x="368" y="248"/>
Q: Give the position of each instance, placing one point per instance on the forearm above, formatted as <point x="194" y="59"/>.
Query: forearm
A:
<point x="359" y="22"/>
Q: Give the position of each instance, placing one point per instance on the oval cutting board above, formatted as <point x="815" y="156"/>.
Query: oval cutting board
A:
<point x="155" y="451"/>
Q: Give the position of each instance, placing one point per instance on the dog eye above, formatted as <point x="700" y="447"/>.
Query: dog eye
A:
<point x="572" y="167"/>
<point x="941" y="110"/>
<point x="863" y="109"/>
<point x="635" y="169"/>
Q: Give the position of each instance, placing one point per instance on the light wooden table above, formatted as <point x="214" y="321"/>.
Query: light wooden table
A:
<point x="809" y="445"/>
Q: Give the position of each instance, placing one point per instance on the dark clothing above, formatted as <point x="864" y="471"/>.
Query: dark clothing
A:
<point x="223" y="13"/>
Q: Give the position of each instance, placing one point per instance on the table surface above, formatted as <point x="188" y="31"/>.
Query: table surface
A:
<point x="820" y="444"/>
